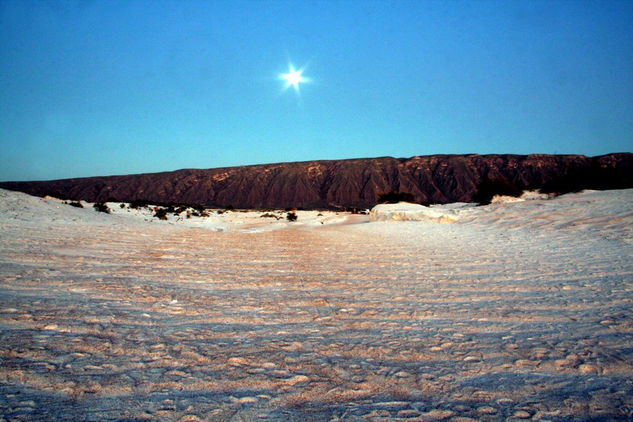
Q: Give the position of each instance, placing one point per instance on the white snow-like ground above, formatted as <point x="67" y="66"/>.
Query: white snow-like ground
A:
<point x="28" y="209"/>
<point x="513" y="311"/>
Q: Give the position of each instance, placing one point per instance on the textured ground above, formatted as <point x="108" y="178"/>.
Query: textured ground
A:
<point x="517" y="311"/>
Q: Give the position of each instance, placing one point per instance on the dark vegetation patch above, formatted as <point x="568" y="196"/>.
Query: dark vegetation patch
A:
<point x="139" y="203"/>
<point x="160" y="213"/>
<point x="162" y="210"/>
<point x="175" y="209"/>
<point x="592" y="177"/>
<point x="101" y="207"/>
<point x="76" y="204"/>
<point x="198" y="207"/>
<point x="291" y="216"/>
<point x="199" y="211"/>
<point x="488" y="188"/>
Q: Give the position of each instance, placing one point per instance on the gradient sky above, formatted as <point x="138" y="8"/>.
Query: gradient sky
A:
<point x="104" y="87"/>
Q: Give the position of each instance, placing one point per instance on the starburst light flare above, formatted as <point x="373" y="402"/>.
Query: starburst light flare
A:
<point x="293" y="78"/>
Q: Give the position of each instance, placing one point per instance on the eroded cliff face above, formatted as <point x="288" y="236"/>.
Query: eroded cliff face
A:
<point x="345" y="183"/>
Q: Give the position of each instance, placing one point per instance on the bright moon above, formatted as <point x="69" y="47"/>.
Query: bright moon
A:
<point x="294" y="78"/>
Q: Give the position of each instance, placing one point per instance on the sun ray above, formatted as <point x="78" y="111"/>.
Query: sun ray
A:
<point x="293" y="78"/>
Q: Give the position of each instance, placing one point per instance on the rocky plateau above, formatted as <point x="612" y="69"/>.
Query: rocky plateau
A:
<point x="346" y="183"/>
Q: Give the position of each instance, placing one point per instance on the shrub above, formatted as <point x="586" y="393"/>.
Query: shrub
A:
<point x="291" y="216"/>
<point x="76" y="204"/>
<point x="161" y="213"/>
<point x="122" y="205"/>
<point x="101" y="207"/>
<point x="488" y="188"/>
<point x="139" y="203"/>
<point x="394" y="197"/>
<point x="593" y="176"/>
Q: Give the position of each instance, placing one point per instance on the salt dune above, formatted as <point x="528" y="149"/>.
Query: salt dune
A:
<point x="512" y="311"/>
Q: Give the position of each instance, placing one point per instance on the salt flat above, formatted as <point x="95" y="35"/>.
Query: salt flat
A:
<point x="513" y="311"/>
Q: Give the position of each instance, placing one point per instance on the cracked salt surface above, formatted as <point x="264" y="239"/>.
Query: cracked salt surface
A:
<point x="513" y="312"/>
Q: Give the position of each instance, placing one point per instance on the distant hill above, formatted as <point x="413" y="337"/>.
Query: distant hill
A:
<point x="348" y="183"/>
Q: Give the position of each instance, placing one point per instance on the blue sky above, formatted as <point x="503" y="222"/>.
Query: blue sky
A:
<point x="105" y="87"/>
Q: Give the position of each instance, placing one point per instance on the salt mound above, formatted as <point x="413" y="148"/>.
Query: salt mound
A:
<point x="528" y="195"/>
<point x="404" y="211"/>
